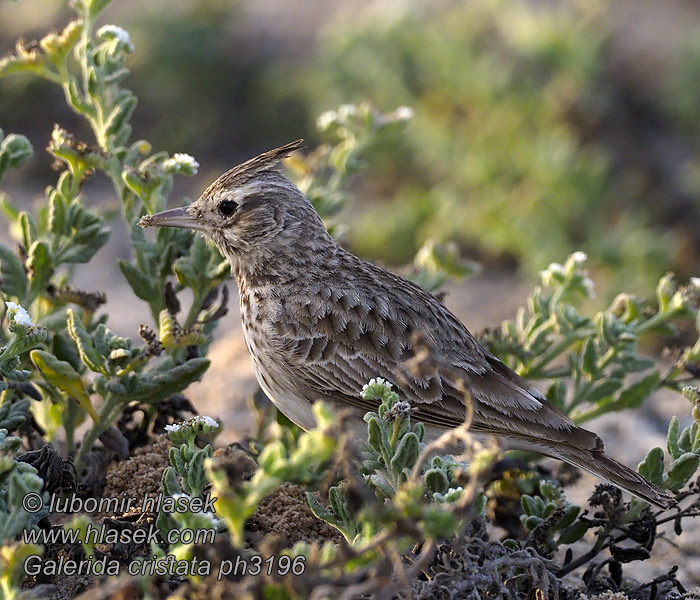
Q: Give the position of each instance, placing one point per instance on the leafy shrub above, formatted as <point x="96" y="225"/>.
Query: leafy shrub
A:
<point x="499" y="157"/>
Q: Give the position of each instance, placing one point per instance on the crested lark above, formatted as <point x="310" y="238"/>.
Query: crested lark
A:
<point x="320" y="322"/>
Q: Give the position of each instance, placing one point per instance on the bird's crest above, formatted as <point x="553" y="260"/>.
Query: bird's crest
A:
<point x="245" y="171"/>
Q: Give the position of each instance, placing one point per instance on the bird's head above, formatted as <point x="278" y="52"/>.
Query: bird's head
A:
<point x="252" y="211"/>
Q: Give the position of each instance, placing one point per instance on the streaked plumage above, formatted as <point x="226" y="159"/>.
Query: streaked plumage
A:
<point x="320" y="322"/>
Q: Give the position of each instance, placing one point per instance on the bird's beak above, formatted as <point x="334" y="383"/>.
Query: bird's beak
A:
<point x="175" y="217"/>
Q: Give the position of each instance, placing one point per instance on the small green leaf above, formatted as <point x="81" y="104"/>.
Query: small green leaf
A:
<point x="14" y="150"/>
<point x="83" y="252"/>
<point x="92" y="359"/>
<point x="406" y="453"/>
<point x="664" y="291"/>
<point x="532" y="521"/>
<point x="169" y="481"/>
<point x="529" y="505"/>
<point x="603" y="390"/>
<point x="374" y="434"/>
<point x="570" y="513"/>
<point x="672" y="438"/>
<point x="573" y="533"/>
<point x="681" y="470"/>
<point x="320" y="511"/>
<point x="39" y="267"/>
<point x="13" y="280"/>
<point x="439" y="523"/>
<point x="589" y="357"/>
<point x="57" y="213"/>
<point x="62" y="375"/>
<point x="686" y="438"/>
<point x="338" y="503"/>
<point x="556" y="393"/>
<point x="139" y="282"/>
<point x="153" y="387"/>
<point x="635" y="394"/>
<point x="120" y="115"/>
<point x="549" y="491"/>
<point x="13" y="414"/>
<point x="196" y="476"/>
<point x="652" y="467"/>
<point x="436" y="481"/>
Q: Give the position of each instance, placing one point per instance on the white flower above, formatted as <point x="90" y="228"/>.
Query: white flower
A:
<point x="579" y="257"/>
<point x="695" y="282"/>
<point x="211" y="518"/>
<point x="326" y="119"/>
<point x="181" y="163"/>
<point x="208" y="421"/>
<point x="403" y="113"/>
<point x="115" y="32"/>
<point x="186" y="159"/>
<point x="376" y="381"/>
<point x="555" y="268"/>
<point x="347" y="111"/>
<point x="21" y="315"/>
<point x="172" y="428"/>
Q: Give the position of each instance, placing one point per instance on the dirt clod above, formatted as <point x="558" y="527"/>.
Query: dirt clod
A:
<point x="286" y="513"/>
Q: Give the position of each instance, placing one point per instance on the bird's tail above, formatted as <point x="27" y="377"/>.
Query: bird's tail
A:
<point x="601" y="465"/>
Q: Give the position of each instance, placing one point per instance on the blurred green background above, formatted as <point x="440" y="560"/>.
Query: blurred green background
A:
<point x="540" y="127"/>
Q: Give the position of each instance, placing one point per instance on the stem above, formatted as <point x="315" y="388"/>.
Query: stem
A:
<point x="194" y="310"/>
<point x="607" y="358"/>
<point x="69" y="425"/>
<point x="579" y="396"/>
<point x="587" y="415"/>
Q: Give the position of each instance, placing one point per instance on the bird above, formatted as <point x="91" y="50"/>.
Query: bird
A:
<point x="320" y="322"/>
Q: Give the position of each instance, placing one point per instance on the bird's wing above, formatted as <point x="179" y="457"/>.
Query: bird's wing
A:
<point x="334" y="342"/>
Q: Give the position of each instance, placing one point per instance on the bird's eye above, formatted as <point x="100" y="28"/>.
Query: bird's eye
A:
<point x="227" y="207"/>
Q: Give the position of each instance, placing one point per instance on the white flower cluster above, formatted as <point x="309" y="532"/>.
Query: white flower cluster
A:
<point x="557" y="272"/>
<point x="114" y="32"/>
<point x="204" y="420"/>
<point x="556" y="269"/>
<point x="208" y="421"/>
<point x="181" y="163"/>
<point x="403" y="113"/>
<point x="343" y="114"/>
<point x="21" y="315"/>
<point x="376" y="381"/>
<point x="325" y="120"/>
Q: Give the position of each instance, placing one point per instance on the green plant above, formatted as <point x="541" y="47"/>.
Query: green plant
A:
<point x="683" y="449"/>
<point x="503" y="155"/>
<point x="184" y="481"/>
<point x="592" y="365"/>
<point x="83" y="359"/>
<point x="186" y="459"/>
